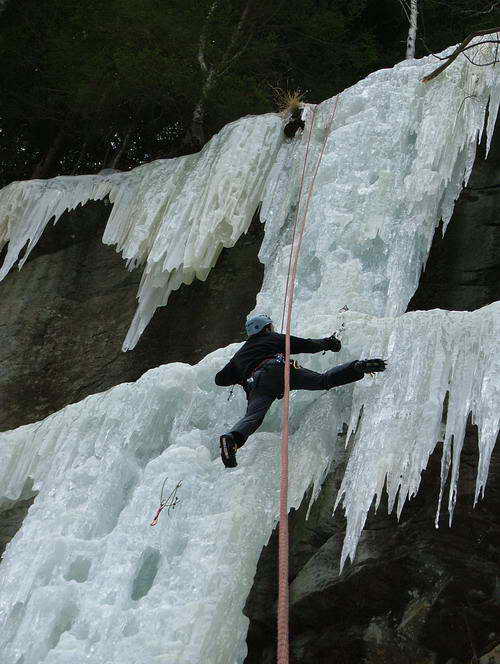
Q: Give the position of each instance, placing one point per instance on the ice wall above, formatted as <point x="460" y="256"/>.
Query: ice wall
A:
<point x="397" y="158"/>
<point x="86" y="579"/>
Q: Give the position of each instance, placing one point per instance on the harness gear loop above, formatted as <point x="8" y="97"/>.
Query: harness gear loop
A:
<point x="283" y="540"/>
<point x="279" y="357"/>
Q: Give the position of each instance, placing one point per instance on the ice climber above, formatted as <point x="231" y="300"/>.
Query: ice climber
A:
<point x="258" y="366"/>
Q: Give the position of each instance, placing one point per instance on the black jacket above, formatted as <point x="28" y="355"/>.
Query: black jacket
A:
<point x="260" y="347"/>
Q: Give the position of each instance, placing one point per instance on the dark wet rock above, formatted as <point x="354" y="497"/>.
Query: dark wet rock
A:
<point x="463" y="268"/>
<point x="11" y="519"/>
<point x="64" y="316"/>
<point x="13" y="513"/>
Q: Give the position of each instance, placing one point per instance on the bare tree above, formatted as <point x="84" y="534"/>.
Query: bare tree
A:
<point x="412" y="32"/>
<point x="211" y="71"/>
<point x="44" y="167"/>
<point x="410" y="8"/>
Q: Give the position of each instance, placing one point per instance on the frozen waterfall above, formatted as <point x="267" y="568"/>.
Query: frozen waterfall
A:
<point x="86" y="579"/>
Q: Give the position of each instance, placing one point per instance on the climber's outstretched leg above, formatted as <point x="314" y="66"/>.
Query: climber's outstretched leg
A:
<point x="305" y="379"/>
<point x="257" y="407"/>
<point x="268" y="385"/>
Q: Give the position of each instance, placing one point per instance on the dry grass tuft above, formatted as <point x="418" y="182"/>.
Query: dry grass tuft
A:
<point x="287" y="101"/>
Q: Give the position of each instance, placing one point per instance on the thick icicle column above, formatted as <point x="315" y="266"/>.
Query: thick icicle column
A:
<point x="86" y="579"/>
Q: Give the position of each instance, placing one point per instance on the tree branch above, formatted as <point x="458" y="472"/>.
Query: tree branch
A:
<point x="477" y="13"/>
<point x="236" y="34"/>
<point x="480" y="64"/>
<point x="460" y="48"/>
<point x="405" y="9"/>
<point x="235" y="56"/>
<point x="203" y="37"/>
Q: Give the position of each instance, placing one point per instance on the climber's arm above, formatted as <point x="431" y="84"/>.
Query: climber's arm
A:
<point x="299" y="345"/>
<point x="226" y="376"/>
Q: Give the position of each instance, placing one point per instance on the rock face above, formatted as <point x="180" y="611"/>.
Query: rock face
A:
<point x="414" y="594"/>
<point x="64" y="316"/>
<point x="463" y="269"/>
<point x="11" y="519"/>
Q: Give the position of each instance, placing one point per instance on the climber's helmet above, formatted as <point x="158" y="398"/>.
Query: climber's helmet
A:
<point x="256" y="323"/>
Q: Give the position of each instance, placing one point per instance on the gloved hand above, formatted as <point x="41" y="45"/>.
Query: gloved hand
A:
<point x="370" y="366"/>
<point x="332" y="343"/>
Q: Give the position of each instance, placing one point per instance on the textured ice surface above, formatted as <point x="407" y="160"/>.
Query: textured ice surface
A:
<point x="86" y="579"/>
<point x="396" y="159"/>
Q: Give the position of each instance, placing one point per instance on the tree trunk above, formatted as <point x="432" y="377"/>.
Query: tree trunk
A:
<point x="115" y="160"/>
<point x="195" y="135"/>
<point x="412" y="32"/>
<point x="44" y="167"/>
<point x="80" y="156"/>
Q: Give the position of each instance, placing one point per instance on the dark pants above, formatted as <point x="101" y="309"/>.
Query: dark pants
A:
<point x="268" y="385"/>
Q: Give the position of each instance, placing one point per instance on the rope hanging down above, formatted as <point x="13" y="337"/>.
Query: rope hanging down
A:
<point x="297" y="217"/>
<point x="283" y="542"/>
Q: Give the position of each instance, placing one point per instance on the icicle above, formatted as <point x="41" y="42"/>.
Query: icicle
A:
<point x="429" y="354"/>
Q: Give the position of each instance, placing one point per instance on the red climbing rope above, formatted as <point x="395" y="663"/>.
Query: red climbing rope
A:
<point x="297" y="216"/>
<point x="283" y="605"/>
<point x="157" y="515"/>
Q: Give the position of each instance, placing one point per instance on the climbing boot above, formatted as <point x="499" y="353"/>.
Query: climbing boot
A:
<point x="228" y="449"/>
<point x="370" y="366"/>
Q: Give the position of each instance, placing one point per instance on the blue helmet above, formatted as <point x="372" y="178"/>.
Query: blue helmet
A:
<point x="257" y="323"/>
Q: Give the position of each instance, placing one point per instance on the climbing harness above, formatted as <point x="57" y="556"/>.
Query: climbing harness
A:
<point x="283" y="540"/>
<point x="169" y="502"/>
<point x="279" y="358"/>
